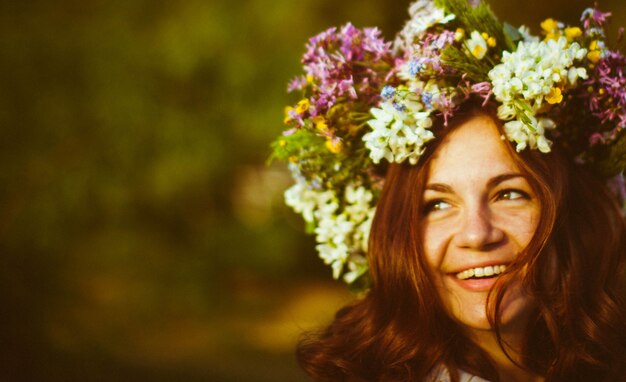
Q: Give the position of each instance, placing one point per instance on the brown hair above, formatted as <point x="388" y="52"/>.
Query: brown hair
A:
<point x="400" y="331"/>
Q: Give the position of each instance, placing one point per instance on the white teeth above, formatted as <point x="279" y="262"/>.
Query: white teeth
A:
<point x="489" y="271"/>
<point x="481" y="272"/>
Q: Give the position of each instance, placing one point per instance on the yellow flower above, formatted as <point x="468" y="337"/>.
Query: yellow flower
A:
<point x="491" y="41"/>
<point x="303" y="106"/>
<point x="595" y="52"/>
<point x="594" y="45"/>
<point x="550" y="29"/>
<point x="282" y="143"/>
<point x="552" y="36"/>
<point x="287" y="116"/>
<point x="572" y="33"/>
<point x="334" y="146"/>
<point x="555" y="96"/>
<point x="594" y="56"/>
<point x="477" y="45"/>
<point x="459" y="34"/>
<point x="485" y="35"/>
<point x="320" y="123"/>
<point x="309" y="79"/>
<point x="549" y="26"/>
<point x="478" y="51"/>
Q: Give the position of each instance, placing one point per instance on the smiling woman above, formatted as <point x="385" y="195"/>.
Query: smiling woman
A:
<point x="480" y="212"/>
<point x="492" y="242"/>
<point x="505" y="265"/>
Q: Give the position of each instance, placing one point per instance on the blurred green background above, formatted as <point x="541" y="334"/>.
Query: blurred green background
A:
<point x="142" y="236"/>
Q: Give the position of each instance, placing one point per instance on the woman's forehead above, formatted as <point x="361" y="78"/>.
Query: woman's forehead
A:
<point x="474" y="150"/>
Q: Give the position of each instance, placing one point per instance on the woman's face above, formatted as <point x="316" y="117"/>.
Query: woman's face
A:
<point x="480" y="212"/>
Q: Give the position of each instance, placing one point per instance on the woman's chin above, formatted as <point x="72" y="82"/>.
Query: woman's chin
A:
<point x="471" y="312"/>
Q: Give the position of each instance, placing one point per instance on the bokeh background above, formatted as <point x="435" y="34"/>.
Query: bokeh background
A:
<point x="142" y="235"/>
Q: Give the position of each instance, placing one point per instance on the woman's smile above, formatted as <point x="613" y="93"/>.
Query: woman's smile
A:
<point x="488" y="271"/>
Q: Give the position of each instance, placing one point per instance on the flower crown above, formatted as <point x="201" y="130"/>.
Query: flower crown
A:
<point x="365" y="100"/>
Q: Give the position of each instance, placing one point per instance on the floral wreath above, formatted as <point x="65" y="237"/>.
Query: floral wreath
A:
<point x="365" y="100"/>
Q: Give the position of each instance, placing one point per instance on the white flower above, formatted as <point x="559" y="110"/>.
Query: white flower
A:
<point x="363" y="230"/>
<point x="534" y="69"/>
<point x="526" y="79"/>
<point x="398" y="135"/>
<point x="302" y="201"/>
<point x="341" y="226"/>
<point x="333" y="255"/>
<point x="377" y="141"/>
<point x="526" y="36"/>
<point x="506" y="112"/>
<point x="424" y="14"/>
<point x="359" y="202"/>
<point x="477" y="45"/>
<point x="574" y="74"/>
<point x="529" y="135"/>
<point x="357" y="266"/>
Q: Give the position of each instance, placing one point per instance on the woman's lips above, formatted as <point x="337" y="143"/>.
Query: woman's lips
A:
<point x="478" y="279"/>
<point x="476" y="285"/>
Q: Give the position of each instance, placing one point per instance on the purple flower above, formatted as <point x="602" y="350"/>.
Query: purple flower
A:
<point x="297" y="83"/>
<point x="444" y="39"/>
<point x="446" y="106"/>
<point x="323" y="101"/>
<point x="348" y="36"/>
<point x="607" y="96"/>
<point x="346" y="86"/>
<point x="345" y="63"/>
<point x="289" y="132"/>
<point x="594" y="15"/>
<point x="483" y="89"/>
<point x="372" y="42"/>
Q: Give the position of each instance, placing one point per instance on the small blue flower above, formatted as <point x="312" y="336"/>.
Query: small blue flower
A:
<point x="415" y="67"/>
<point x="427" y="99"/>
<point x="388" y="92"/>
<point x="398" y="106"/>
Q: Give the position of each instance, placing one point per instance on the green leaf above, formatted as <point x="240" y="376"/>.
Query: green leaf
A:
<point x="511" y="32"/>
<point x="475" y="70"/>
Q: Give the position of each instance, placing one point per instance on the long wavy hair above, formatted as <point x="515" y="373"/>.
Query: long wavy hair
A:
<point x="573" y="268"/>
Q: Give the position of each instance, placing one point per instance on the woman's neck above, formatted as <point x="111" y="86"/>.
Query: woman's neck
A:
<point x="508" y="370"/>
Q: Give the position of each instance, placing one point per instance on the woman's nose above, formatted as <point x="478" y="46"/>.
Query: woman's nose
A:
<point x="477" y="229"/>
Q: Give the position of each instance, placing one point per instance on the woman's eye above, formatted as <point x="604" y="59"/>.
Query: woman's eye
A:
<point x="512" y="195"/>
<point x="436" y="205"/>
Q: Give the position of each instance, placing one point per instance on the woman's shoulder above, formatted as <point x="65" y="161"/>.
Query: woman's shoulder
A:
<point x="441" y="374"/>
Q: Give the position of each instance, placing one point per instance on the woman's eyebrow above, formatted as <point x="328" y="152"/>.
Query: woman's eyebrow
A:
<point x="502" y="178"/>
<point x="439" y="187"/>
<point x="493" y="182"/>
